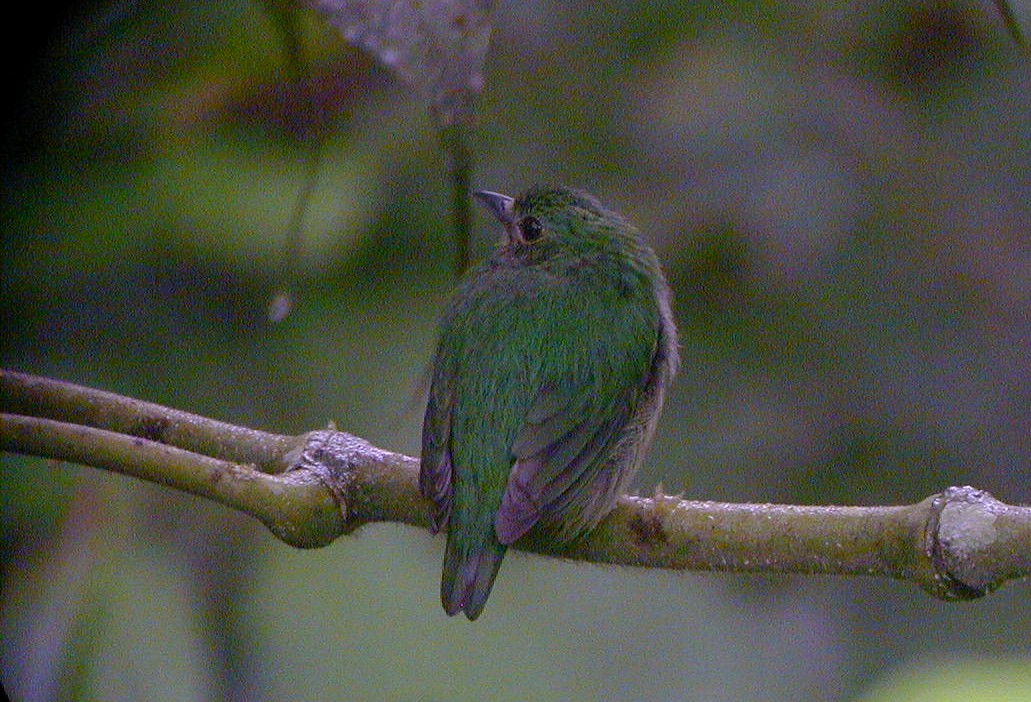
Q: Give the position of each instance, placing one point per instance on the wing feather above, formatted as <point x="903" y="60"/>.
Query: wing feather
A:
<point x="569" y="437"/>
<point x="436" y="469"/>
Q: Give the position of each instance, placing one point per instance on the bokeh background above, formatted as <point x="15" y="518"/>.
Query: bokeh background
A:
<point x="841" y="195"/>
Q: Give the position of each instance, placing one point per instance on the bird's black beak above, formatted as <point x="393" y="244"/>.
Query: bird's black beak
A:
<point x="501" y="206"/>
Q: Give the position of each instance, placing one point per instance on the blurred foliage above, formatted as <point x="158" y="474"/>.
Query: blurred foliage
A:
<point x="965" y="680"/>
<point x="840" y="193"/>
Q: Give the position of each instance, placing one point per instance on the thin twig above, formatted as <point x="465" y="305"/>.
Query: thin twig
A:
<point x="459" y="158"/>
<point x="34" y="396"/>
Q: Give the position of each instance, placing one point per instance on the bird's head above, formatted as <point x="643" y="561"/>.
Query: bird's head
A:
<point x="548" y="221"/>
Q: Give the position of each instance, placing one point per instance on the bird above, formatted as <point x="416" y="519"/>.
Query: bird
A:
<point x="550" y="372"/>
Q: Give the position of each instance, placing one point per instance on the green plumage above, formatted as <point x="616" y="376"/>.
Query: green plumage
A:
<point x="549" y="376"/>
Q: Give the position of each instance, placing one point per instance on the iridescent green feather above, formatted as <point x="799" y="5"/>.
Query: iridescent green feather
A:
<point x="549" y="375"/>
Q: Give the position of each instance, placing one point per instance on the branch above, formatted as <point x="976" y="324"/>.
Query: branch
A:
<point x="52" y="399"/>
<point x="310" y="489"/>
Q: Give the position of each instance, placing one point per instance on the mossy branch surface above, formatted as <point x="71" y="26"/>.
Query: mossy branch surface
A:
<point x="959" y="544"/>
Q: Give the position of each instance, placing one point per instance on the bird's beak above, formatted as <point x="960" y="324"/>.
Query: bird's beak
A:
<point x="501" y="206"/>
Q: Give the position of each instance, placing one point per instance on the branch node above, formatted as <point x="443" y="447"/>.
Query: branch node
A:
<point x="960" y="531"/>
<point x="316" y="455"/>
<point x="960" y="544"/>
<point x="335" y="457"/>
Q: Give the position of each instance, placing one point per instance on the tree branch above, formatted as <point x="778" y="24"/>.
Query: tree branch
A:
<point x="310" y="489"/>
<point x="33" y="396"/>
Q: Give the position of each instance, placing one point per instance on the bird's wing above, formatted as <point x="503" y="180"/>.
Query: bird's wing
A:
<point x="567" y="454"/>
<point x="435" y="468"/>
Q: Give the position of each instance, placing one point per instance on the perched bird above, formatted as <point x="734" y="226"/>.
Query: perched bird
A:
<point x="549" y="376"/>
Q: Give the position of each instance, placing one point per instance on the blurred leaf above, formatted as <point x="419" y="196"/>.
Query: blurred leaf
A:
<point x="964" y="679"/>
<point x="439" y="46"/>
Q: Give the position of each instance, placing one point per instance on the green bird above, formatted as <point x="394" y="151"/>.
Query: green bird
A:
<point x="549" y="376"/>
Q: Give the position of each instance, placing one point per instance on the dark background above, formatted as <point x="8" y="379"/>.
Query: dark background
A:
<point x="841" y="195"/>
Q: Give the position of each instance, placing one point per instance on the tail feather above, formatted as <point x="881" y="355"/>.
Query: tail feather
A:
<point x="469" y="572"/>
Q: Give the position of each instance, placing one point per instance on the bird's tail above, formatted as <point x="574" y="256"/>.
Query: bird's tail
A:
<point x="470" y="566"/>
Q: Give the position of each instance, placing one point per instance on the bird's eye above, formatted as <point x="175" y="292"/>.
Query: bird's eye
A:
<point x="530" y="228"/>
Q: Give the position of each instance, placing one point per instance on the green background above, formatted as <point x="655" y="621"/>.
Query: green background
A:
<point x="840" y="193"/>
